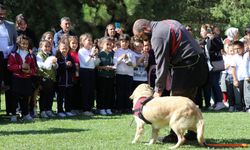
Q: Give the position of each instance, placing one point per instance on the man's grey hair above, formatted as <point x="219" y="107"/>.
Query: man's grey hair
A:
<point x="65" y="19"/>
<point x="140" y="24"/>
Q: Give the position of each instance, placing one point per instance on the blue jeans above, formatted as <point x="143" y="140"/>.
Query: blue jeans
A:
<point x="215" y="86"/>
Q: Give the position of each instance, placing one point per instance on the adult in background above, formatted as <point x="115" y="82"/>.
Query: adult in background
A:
<point x="212" y="46"/>
<point x="8" y="35"/>
<point x="232" y="34"/>
<point x="246" y="38"/>
<point x="113" y="31"/>
<point x="23" y="28"/>
<point x="174" y="49"/>
<point x="65" y="30"/>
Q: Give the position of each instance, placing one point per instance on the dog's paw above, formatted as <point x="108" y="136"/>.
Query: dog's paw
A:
<point x="134" y="141"/>
<point x="149" y="144"/>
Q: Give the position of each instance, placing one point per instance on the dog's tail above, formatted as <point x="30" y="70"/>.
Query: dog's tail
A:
<point x="200" y="132"/>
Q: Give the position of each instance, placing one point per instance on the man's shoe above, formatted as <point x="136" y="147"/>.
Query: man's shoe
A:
<point x="191" y="136"/>
<point x="171" y="138"/>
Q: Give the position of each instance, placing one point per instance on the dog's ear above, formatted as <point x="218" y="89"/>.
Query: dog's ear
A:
<point x="149" y="87"/>
<point x="132" y="97"/>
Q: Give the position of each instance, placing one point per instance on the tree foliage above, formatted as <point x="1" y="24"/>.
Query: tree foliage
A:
<point x="93" y="15"/>
<point x="233" y="13"/>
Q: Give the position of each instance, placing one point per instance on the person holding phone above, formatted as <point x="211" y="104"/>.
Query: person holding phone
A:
<point x="113" y="31"/>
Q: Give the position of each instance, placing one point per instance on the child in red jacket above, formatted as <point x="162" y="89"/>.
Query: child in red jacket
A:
<point x="23" y="66"/>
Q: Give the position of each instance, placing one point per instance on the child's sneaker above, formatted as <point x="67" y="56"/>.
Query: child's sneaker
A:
<point x="69" y="114"/>
<point x="13" y="118"/>
<point x="76" y="112"/>
<point x="50" y="114"/>
<point x="211" y="108"/>
<point x="231" y="109"/>
<point x="87" y="113"/>
<point x="219" y="106"/>
<point x="109" y="112"/>
<point x="102" y="112"/>
<point x="33" y="113"/>
<point x="44" y="115"/>
<point x="27" y="118"/>
<point x="61" y="114"/>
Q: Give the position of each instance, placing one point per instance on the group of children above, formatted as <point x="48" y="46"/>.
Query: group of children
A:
<point x="232" y="84"/>
<point x="237" y="62"/>
<point x="77" y="73"/>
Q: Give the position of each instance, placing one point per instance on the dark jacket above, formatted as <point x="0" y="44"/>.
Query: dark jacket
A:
<point x="15" y="65"/>
<point x="64" y="73"/>
<point x="58" y="36"/>
<point x="215" y="46"/>
<point x="12" y="33"/>
<point x="186" y="53"/>
<point x="29" y="33"/>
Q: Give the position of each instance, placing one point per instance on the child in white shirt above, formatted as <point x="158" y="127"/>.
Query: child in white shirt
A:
<point x="88" y="61"/>
<point x="124" y="60"/>
<point x="238" y="74"/>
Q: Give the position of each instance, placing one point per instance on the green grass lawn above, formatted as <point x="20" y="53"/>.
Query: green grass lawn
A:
<point x="112" y="132"/>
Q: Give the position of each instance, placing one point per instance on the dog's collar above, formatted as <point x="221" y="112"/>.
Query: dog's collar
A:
<point x="139" y="106"/>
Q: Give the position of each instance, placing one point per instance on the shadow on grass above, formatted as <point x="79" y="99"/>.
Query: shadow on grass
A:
<point x="225" y="110"/>
<point x="49" y="131"/>
<point x="4" y="119"/>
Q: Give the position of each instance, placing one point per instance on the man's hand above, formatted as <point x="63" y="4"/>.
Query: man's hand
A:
<point x="157" y="94"/>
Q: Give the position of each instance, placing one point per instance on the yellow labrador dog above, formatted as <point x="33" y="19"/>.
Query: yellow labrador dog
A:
<point x="180" y="113"/>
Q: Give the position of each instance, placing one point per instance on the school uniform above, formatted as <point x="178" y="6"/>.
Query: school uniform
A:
<point x="87" y="78"/>
<point x="246" y="88"/>
<point x="47" y="74"/>
<point x="238" y="64"/>
<point x="105" y="82"/>
<point x="124" y="79"/>
<point x="21" y="80"/>
<point x="64" y="83"/>
<point x="140" y="73"/>
<point x="76" y="88"/>
<point x="229" y="82"/>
